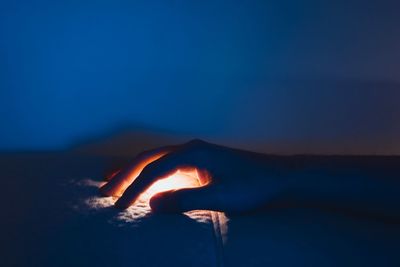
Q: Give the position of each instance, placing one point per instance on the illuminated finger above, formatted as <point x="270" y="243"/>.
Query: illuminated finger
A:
<point x="117" y="185"/>
<point x="158" y="169"/>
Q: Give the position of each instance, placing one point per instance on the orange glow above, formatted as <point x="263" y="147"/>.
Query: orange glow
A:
<point x="117" y="185"/>
<point x="178" y="180"/>
<point x="140" y="209"/>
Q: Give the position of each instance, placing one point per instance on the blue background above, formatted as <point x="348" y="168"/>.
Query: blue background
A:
<point x="281" y="76"/>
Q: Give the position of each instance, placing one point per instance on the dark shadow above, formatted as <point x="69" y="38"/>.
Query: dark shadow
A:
<point x="309" y="237"/>
<point x="44" y="224"/>
<point x="127" y="140"/>
<point x="121" y="145"/>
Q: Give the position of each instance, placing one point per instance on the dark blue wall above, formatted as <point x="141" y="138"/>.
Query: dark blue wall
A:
<point x="291" y="76"/>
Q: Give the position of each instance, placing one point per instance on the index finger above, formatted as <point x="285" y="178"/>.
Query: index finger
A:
<point x="158" y="169"/>
<point x="124" y="178"/>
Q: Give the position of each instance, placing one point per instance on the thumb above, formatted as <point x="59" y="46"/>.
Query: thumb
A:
<point x="182" y="200"/>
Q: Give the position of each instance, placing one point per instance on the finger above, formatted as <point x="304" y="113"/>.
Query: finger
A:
<point x="121" y="180"/>
<point x="200" y="198"/>
<point x="160" y="168"/>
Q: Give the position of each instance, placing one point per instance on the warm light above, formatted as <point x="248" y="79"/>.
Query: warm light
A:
<point x="180" y="179"/>
<point x="141" y="208"/>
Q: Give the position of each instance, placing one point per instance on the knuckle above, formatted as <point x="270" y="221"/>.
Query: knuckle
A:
<point x="195" y="142"/>
<point x="195" y="148"/>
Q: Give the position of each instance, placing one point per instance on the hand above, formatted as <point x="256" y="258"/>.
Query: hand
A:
<point x="231" y="180"/>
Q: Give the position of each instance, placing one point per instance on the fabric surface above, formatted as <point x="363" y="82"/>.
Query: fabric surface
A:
<point x="57" y="218"/>
<point x="53" y="216"/>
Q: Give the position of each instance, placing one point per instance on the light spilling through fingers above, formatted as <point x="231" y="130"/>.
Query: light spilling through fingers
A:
<point x="129" y="187"/>
<point x="120" y="180"/>
<point x="180" y="179"/>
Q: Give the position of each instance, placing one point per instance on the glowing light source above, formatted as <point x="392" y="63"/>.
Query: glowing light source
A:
<point x="134" y="215"/>
<point x="178" y="180"/>
<point x="141" y="208"/>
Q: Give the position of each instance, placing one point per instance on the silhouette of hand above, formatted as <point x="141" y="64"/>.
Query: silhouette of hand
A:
<point x="231" y="180"/>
